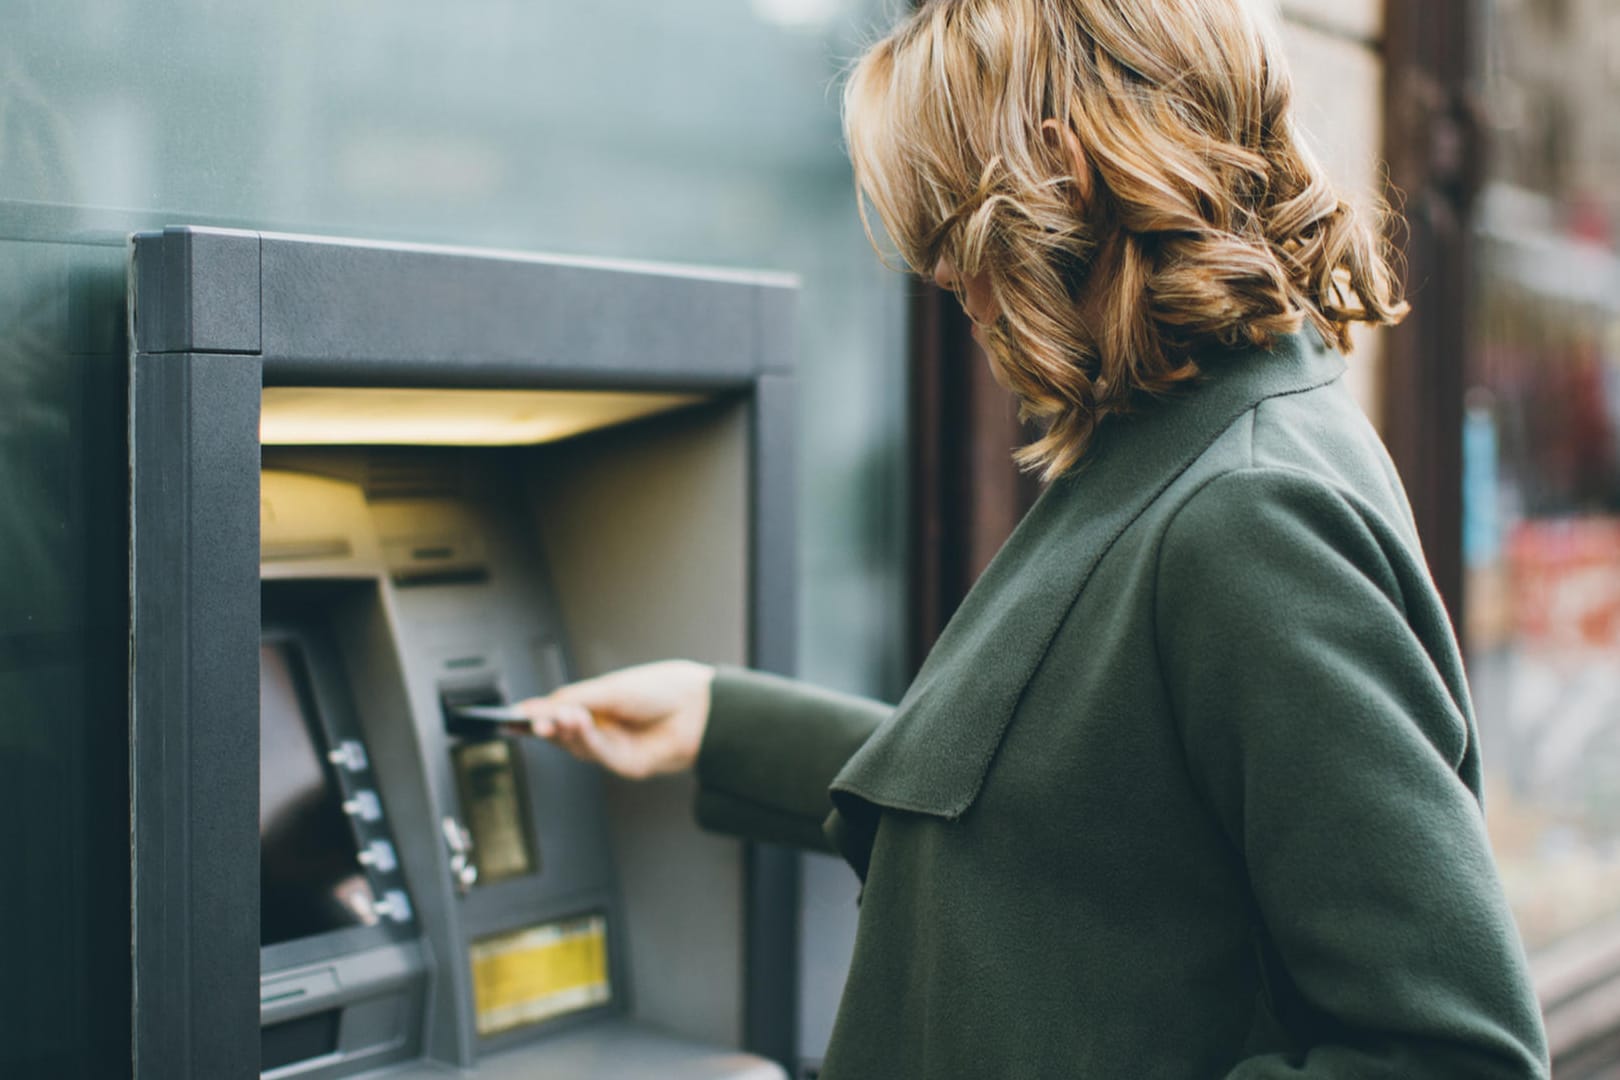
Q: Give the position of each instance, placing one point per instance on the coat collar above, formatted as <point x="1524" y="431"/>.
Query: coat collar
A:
<point x="932" y="755"/>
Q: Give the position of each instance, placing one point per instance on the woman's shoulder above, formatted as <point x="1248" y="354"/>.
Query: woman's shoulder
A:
<point x="1274" y="428"/>
<point x="1316" y="439"/>
<point x="1311" y="458"/>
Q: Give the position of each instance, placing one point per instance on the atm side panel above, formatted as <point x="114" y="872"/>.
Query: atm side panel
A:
<point x="194" y="716"/>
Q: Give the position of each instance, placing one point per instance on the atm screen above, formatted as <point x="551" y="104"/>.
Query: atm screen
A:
<point x="309" y="879"/>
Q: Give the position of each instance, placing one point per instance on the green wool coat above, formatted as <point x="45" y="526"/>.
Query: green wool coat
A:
<point x="1189" y="787"/>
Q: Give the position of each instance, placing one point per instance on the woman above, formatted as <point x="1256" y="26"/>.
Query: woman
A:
<point x="1189" y="787"/>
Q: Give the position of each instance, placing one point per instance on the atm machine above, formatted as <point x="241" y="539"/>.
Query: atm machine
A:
<point x="372" y="484"/>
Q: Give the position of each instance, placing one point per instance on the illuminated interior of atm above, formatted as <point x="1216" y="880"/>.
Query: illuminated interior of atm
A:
<point x="437" y="893"/>
<point x="377" y="416"/>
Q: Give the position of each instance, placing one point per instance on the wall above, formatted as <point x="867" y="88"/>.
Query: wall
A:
<point x="1334" y="49"/>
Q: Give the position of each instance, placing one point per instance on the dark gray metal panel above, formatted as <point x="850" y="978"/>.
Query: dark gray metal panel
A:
<point x="771" y="976"/>
<point x="369" y="643"/>
<point x="197" y="290"/>
<point x="771" y="1015"/>
<point x="777" y="319"/>
<point x="194" y="709"/>
<point x="774" y="635"/>
<point x="358" y="314"/>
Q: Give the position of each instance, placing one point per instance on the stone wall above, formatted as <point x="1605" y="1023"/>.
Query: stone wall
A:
<point x="1334" y="47"/>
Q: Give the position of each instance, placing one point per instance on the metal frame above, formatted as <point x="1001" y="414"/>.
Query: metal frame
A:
<point x="215" y="315"/>
<point x="194" y="607"/>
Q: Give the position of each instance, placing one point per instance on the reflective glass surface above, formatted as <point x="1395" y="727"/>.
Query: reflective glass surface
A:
<point x="699" y="133"/>
<point x="64" y="767"/>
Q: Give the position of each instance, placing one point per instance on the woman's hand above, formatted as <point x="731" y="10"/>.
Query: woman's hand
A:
<point x="638" y="722"/>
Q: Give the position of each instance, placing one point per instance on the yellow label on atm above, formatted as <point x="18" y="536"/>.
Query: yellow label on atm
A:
<point x="539" y="972"/>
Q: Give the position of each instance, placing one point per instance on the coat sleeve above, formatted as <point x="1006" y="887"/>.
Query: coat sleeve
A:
<point x="1318" y="725"/>
<point x="770" y="751"/>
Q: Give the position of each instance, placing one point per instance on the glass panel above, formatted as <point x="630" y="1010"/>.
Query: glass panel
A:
<point x="1542" y="470"/>
<point x="700" y="133"/>
<point x="64" y="791"/>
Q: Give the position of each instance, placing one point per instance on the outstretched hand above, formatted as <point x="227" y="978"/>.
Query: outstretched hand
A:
<point x="637" y="722"/>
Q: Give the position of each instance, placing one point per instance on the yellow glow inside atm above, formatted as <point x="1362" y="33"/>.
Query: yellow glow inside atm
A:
<point x="379" y="416"/>
<point x="539" y="972"/>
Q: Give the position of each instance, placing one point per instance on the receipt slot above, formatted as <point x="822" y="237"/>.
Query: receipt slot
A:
<point x="373" y="484"/>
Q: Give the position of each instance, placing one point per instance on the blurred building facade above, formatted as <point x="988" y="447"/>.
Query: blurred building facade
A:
<point x="708" y="134"/>
<point x="1541" y="500"/>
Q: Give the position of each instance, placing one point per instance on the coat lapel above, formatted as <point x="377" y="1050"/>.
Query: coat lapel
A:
<point x="932" y="755"/>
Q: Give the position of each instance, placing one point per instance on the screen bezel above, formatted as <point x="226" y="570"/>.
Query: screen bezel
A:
<point x="336" y="720"/>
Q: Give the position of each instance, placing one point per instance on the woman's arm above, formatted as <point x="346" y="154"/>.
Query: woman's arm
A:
<point x="771" y="749"/>
<point x="765" y="748"/>
<point x="1303" y="649"/>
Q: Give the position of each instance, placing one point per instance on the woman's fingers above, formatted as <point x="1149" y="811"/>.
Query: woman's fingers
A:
<point x="636" y="722"/>
<point x="642" y="694"/>
<point x="618" y="749"/>
<point x="546" y="713"/>
<point x="571" y="737"/>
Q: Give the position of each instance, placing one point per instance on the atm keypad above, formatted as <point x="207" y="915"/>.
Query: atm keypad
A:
<point x="364" y="805"/>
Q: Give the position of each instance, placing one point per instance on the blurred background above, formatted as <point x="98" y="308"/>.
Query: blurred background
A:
<point x="1540" y="514"/>
<point x="707" y="132"/>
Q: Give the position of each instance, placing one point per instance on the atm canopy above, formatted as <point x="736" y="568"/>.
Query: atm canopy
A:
<point x="321" y="311"/>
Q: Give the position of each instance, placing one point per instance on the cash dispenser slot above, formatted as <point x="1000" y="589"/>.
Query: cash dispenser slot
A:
<point x="300" y="1041"/>
<point x="430" y="542"/>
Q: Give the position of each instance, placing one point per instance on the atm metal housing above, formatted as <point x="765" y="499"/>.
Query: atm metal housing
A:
<point x="217" y="315"/>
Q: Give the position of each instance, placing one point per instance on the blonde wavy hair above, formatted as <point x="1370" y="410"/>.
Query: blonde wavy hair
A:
<point x="1127" y="177"/>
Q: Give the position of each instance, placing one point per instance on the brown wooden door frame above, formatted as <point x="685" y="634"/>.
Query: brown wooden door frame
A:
<point x="1435" y="148"/>
<point x="966" y="492"/>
